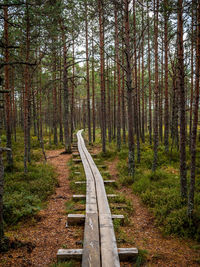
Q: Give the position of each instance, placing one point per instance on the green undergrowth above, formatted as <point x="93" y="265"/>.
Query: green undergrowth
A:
<point x="160" y="190"/>
<point x="25" y="193"/>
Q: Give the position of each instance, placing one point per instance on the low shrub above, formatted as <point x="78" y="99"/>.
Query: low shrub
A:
<point x="24" y="193"/>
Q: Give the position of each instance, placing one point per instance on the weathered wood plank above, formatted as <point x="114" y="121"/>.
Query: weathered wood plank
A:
<point x="125" y="254"/>
<point x="79" y="197"/>
<point x="105" y="182"/>
<point x="69" y="254"/>
<point x="91" y="246"/>
<point x="109" y="253"/>
<point x="77" y="160"/>
<point x="73" y="219"/>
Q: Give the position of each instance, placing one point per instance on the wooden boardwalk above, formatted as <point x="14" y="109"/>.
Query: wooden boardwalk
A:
<point x="99" y="247"/>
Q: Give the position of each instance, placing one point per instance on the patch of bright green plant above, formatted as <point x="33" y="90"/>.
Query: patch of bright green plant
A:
<point x="141" y="258"/>
<point x="24" y="193"/>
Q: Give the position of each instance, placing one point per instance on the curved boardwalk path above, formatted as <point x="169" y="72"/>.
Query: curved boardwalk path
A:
<point x="100" y="246"/>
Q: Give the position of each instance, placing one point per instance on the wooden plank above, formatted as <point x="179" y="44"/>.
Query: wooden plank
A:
<point x="77" y="160"/>
<point x="105" y="182"/>
<point x="69" y="254"/>
<point x="91" y="249"/>
<point x="91" y="245"/>
<point x="79" y="197"/>
<point x="73" y="219"/>
<point x="125" y="254"/>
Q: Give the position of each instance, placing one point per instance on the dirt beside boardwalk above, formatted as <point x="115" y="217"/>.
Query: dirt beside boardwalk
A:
<point x="162" y="251"/>
<point x="46" y="236"/>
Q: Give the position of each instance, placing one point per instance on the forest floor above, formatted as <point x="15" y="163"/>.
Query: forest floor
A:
<point x="42" y="238"/>
<point x="161" y="251"/>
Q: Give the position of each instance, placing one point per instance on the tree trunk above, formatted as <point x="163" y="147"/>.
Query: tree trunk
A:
<point x="131" y="159"/>
<point x="88" y="76"/>
<point x="7" y="95"/>
<point x="26" y="92"/>
<point x="166" y="122"/>
<point x="149" y="74"/>
<point x="118" y="81"/>
<point x="103" y="113"/>
<point x="93" y="92"/>
<point x="66" y="96"/>
<point x="195" y="120"/>
<point x="181" y="88"/>
<point x="72" y="96"/>
<point x="156" y="90"/>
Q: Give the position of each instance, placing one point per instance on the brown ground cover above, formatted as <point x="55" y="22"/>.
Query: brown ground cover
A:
<point x="45" y="237"/>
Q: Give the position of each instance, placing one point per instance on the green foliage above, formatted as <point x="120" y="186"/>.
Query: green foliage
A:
<point x="160" y="190"/>
<point x="141" y="258"/>
<point x="24" y="193"/>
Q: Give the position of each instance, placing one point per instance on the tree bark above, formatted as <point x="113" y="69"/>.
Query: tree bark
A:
<point x="156" y="90"/>
<point x="7" y="87"/>
<point x="101" y="37"/>
<point x="181" y="88"/>
<point x="88" y="75"/>
<point x="131" y="159"/>
<point x="195" y="120"/>
<point x="166" y="112"/>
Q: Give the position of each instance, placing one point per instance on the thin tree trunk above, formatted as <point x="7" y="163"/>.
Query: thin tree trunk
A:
<point x="131" y="159"/>
<point x="72" y="96"/>
<point x="166" y="133"/>
<point x="156" y="90"/>
<point x="195" y="120"/>
<point x="103" y="113"/>
<point x="181" y="88"/>
<point x="66" y="96"/>
<point x="88" y="75"/>
<point x="54" y="100"/>
<point x="192" y="73"/>
<point x="118" y="81"/>
<point x="142" y="135"/>
<point x="26" y="92"/>
<point x="93" y="92"/>
<point x="149" y="74"/>
<point x="7" y="95"/>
